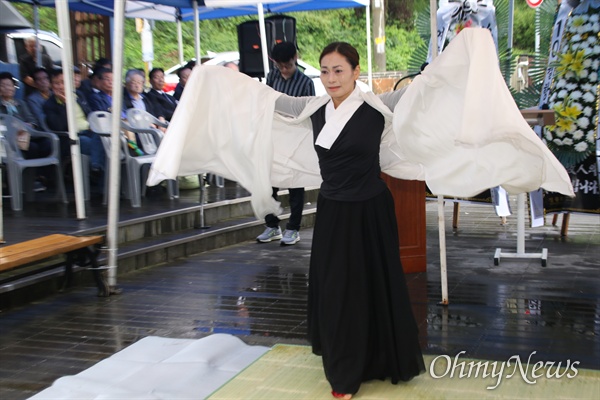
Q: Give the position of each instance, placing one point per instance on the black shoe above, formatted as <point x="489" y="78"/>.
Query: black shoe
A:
<point x="38" y="186"/>
<point x="96" y="175"/>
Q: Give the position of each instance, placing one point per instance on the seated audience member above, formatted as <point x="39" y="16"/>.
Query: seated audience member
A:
<point x="183" y="73"/>
<point x="38" y="147"/>
<point x="56" y="120"/>
<point x="28" y="64"/>
<point x="134" y="96"/>
<point x="36" y="100"/>
<point x="31" y="147"/>
<point x="163" y="101"/>
<point x="90" y="84"/>
<point x="101" y="100"/>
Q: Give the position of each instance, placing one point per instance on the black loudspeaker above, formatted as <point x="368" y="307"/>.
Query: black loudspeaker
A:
<point x="250" y="47"/>
<point x="285" y="28"/>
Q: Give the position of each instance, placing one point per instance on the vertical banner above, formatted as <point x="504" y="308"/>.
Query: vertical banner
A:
<point x="574" y="97"/>
<point x="536" y="198"/>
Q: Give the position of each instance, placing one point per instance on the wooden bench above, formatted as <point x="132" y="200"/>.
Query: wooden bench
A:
<point x="78" y="249"/>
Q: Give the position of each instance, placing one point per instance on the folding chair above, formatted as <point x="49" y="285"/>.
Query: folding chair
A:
<point x="136" y="167"/>
<point x="19" y="169"/>
<point x="140" y="121"/>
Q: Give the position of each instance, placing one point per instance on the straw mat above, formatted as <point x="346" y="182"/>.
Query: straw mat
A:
<point x="293" y="372"/>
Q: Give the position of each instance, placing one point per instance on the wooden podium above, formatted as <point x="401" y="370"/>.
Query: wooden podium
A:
<point x="409" y="201"/>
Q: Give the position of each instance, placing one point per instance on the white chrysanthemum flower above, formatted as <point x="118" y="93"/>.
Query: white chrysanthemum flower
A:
<point x="590" y="137"/>
<point x="578" y="134"/>
<point x="586" y="50"/>
<point x="586" y="87"/>
<point x="576" y="37"/>
<point x="567" y="142"/>
<point x="587" y="111"/>
<point x="595" y="27"/>
<point x="583" y="74"/>
<point x="570" y="75"/>
<point x="596" y="49"/>
<point x="562" y="94"/>
<point x="593" y="77"/>
<point x="559" y="133"/>
<point x="594" y="18"/>
<point x="596" y="62"/>
<point x="583" y="122"/>
<point x="576" y="94"/>
<point x="571" y="86"/>
<point x="587" y="63"/>
<point x="588" y="97"/>
<point x="581" y="147"/>
<point x="548" y="135"/>
<point x="557" y="142"/>
<point x="561" y="83"/>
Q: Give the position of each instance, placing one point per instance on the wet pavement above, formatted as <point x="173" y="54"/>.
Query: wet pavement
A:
<point x="258" y="292"/>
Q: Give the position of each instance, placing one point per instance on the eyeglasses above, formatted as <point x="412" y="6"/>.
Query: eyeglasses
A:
<point x="285" y="66"/>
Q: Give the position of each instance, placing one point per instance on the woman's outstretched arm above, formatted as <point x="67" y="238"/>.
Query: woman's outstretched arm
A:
<point x="292" y="106"/>
<point x="390" y="99"/>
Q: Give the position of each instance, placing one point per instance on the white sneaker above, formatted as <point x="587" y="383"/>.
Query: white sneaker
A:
<point x="269" y="235"/>
<point x="290" y="237"/>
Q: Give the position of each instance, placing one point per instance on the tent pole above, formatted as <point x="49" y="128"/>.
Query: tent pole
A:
<point x="180" y="41"/>
<point x="38" y="45"/>
<point x="197" y="33"/>
<point x="440" y="199"/>
<point x="263" y="38"/>
<point x="64" y="28"/>
<point x="369" y="64"/>
<point x="115" y="148"/>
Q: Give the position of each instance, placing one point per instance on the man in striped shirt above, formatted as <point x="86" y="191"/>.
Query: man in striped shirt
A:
<point x="288" y="79"/>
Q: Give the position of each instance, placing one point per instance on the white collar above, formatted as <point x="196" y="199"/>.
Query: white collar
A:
<point x="337" y="118"/>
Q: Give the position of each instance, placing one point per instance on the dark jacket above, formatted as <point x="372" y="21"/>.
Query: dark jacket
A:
<point x="23" y="113"/>
<point x="100" y="101"/>
<point x="56" y="113"/>
<point x="163" y="102"/>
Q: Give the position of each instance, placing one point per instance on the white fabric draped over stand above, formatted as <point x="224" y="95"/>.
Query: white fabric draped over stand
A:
<point x="456" y="126"/>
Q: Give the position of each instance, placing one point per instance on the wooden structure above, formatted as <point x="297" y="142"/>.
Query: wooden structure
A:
<point x="91" y="34"/>
<point x="409" y="201"/>
<point x="78" y="249"/>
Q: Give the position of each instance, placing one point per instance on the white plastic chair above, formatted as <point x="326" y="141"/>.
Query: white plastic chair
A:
<point x="17" y="167"/>
<point x="136" y="167"/>
<point x="142" y="121"/>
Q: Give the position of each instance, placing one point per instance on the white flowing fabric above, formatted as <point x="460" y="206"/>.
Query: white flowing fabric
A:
<point x="456" y="126"/>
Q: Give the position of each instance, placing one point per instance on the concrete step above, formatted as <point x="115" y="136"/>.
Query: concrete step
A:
<point x="150" y="241"/>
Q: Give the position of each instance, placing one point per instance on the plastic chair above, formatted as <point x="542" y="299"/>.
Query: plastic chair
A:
<point x="136" y="167"/>
<point x="20" y="170"/>
<point x="139" y="121"/>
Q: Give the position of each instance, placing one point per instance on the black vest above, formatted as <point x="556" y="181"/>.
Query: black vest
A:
<point x="350" y="169"/>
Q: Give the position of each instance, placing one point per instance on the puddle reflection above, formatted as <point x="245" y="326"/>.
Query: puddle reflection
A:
<point x="273" y="302"/>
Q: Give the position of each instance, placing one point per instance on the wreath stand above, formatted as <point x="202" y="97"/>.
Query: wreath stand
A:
<point x="533" y="117"/>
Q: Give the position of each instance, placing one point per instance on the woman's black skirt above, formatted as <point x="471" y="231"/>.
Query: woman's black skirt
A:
<point x="359" y="315"/>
